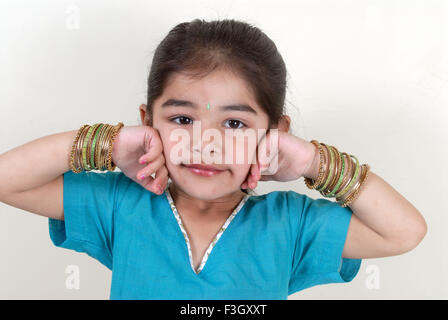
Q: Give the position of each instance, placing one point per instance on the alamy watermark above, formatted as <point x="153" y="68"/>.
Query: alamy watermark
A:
<point x="72" y="281"/>
<point x="72" y="18"/>
<point x="373" y="278"/>
<point x="212" y="153"/>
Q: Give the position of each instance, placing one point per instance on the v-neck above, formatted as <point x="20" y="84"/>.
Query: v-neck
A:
<point x="214" y="241"/>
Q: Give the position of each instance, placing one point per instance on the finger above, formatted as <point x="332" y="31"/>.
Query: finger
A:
<point x="148" y="184"/>
<point x="161" y="178"/>
<point x="156" y="185"/>
<point x="151" y="168"/>
<point x="245" y="183"/>
<point x="151" y="155"/>
<point x="255" y="170"/>
<point x="254" y="176"/>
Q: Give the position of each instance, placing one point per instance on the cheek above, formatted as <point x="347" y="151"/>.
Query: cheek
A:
<point x="244" y="151"/>
<point x="174" y="147"/>
<point x="240" y="172"/>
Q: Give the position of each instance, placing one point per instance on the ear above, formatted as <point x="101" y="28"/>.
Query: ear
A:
<point x="283" y="124"/>
<point x="143" y="116"/>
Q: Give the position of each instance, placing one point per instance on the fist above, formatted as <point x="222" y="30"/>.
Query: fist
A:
<point x="138" y="152"/>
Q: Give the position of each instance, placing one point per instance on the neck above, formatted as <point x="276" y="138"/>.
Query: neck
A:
<point x="213" y="209"/>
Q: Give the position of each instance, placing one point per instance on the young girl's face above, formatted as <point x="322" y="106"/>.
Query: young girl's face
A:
<point x="186" y="101"/>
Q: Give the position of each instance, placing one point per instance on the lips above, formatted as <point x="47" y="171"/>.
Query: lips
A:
<point x="203" y="170"/>
<point x="203" y="167"/>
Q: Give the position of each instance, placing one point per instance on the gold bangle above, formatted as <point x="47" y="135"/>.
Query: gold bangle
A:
<point x="352" y="191"/>
<point x="102" y="147"/>
<point x="355" y="193"/>
<point x="351" y="180"/>
<point x="104" y="143"/>
<point x="355" y="184"/>
<point x="336" y="172"/>
<point x="310" y="183"/>
<point x="72" y="156"/>
<point x="326" y="167"/>
<point x="79" y="150"/>
<point x="98" y="148"/>
<point x="330" y="168"/>
<point x="110" y="165"/>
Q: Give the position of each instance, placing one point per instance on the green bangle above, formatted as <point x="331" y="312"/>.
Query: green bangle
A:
<point x="354" y="178"/>
<point x="341" y="177"/>
<point x="86" y="142"/>
<point x="92" y="149"/>
<point x="330" y="175"/>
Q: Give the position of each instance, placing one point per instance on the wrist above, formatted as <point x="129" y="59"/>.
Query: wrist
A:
<point x="117" y="146"/>
<point x="312" y="171"/>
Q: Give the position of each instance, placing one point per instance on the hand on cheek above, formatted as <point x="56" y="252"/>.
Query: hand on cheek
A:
<point x="255" y="170"/>
<point x="252" y="178"/>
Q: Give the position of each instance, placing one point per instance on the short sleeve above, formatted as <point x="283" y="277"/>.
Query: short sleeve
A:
<point x="322" y="227"/>
<point x="89" y="205"/>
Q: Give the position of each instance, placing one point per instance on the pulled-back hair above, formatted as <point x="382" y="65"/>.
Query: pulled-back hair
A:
<point x="199" y="47"/>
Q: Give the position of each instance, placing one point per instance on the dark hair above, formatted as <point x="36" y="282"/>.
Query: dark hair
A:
<point x="199" y="47"/>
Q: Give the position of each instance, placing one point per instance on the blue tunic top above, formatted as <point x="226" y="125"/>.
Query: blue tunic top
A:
<point x="275" y="244"/>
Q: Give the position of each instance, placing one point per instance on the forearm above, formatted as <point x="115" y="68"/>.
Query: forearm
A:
<point x="384" y="210"/>
<point x="388" y="213"/>
<point x="35" y="163"/>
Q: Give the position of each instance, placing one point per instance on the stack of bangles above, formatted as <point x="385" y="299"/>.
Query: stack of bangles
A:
<point x="339" y="176"/>
<point x="92" y="148"/>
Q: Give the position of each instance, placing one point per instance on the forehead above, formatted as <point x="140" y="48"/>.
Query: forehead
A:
<point x="220" y="87"/>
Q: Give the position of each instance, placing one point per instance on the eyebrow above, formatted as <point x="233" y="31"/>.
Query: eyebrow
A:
<point x="186" y="103"/>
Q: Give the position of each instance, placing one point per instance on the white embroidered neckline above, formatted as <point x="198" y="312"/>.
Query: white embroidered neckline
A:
<point x="215" y="240"/>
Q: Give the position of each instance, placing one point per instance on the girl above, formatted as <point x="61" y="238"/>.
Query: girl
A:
<point x="170" y="227"/>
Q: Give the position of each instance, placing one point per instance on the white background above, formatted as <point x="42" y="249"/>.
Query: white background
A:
<point x="368" y="77"/>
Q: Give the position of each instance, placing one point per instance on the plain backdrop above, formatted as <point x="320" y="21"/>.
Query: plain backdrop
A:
<point x="368" y="77"/>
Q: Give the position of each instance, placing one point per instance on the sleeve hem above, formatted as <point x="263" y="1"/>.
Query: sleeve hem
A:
<point x="349" y="270"/>
<point x="60" y="239"/>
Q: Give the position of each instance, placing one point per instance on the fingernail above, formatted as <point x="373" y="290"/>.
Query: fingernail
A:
<point x="143" y="161"/>
<point x="159" y="189"/>
<point x="141" y="177"/>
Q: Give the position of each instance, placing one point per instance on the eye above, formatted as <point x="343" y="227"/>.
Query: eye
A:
<point x="183" y="119"/>
<point x="234" y="122"/>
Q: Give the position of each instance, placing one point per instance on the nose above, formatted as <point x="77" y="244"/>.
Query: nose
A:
<point x="207" y="143"/>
